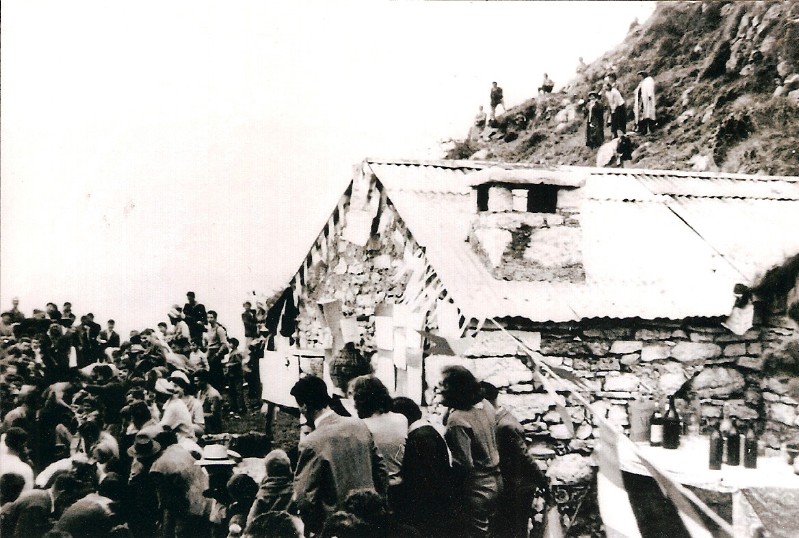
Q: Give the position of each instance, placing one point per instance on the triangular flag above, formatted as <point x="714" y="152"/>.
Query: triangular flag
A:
<point x="557" y="399"/>
<point x="614" y="502"/>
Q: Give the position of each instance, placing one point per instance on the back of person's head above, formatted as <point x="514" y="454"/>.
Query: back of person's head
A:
<point x="272" y="525"/>
<point x="311" y="391"/>
<point x="166" y="438"/>
<point x="90" y="429"/>
<point x="277" y="464"/>
<point x="347" y="365"/>
<point x="65" y="482"/>
<point x="139" y="412"/>
<point x="366" y="505"/>
<point x="489" y="391"/>
<point x="11" y="485"/>
<point x="406" y="407"/>
<point x="112" y="487"/>
<point x="104" y="371"/>
<point x="16" y="438"/>
<point x="460" y="388"/>
<point x="345" y="525"/>
<point x="370" y="395"/>
<point x="242" y="487"/>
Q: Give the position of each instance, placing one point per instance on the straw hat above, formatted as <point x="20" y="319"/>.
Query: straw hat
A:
<point x="216" y="455"/>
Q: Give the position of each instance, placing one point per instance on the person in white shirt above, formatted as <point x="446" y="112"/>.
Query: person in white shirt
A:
<point x="12" y="449"/>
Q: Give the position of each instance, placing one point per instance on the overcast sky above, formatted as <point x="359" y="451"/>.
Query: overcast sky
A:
<point x="150" y="148"/>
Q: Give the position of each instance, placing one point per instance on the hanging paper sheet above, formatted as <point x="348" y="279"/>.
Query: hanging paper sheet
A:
<point x="349" y="330"/>
<point x="448" y="319"/>
<point x="279" y="372"/>
<point x="358" y="227"/>
<point x="384" y="332"/>
<point x="383" y="364"/>
<point x="331" y="312"/>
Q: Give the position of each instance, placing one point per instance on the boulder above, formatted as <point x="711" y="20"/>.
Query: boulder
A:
<point x="606" y="154"/>
<point x="629" y="360"/>
<point x="480" y="154"/>
<point x="738" y="409"/>
<point x="791" y="82"/>
<point x="570" y="469"/>
<point x="768" y="44"/>
<point x="622" y="382"/>
<point x="695" y="351"/>
<point x="561" y="128"/>
<point x="655" y="352"/>
<point x="794" y="96"/>
<point x="701" y="163"/>
<point x="784" y="69"/>
<point x="670" y="382"/>
<point x="779" y="91"/>
<point x="623" y="347"/>
<point x="783" y="413"/>
<point x="718" y="382"/>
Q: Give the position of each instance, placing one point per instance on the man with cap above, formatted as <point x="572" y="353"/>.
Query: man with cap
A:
<point x="16" y="314"/>
<point x="142" y="487"/>
<point x="338" y="457"/>
<point x="595" y="121"/>
<point x="195" y="316"/>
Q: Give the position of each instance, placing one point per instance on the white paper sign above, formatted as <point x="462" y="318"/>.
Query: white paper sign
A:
<point x="359" y="227"/>
<point x="384" y="332"/>
<point x="279" y="372"/>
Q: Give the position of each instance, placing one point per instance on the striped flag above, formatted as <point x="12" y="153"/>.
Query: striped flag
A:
<point x="614" y="503"/>
<point x="616" y="510"/>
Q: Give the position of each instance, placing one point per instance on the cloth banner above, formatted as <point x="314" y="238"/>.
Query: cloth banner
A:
<point x="448" y="319"/>
<point x="614" y="503"/>
<point x="279" y="372"/>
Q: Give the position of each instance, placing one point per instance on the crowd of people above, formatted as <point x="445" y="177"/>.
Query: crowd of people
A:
<point x="102" y="436"/>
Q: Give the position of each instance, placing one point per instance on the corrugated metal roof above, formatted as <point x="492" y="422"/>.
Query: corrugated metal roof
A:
<point x="649" y="249"/>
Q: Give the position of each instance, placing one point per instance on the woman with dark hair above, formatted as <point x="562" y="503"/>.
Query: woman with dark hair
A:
<point x="472" y="441"/>
<point x="424" y="499"/>
<point x="389" y="429"/>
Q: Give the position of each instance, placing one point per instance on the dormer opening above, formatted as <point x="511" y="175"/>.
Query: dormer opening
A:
<point x="542" y="198"/>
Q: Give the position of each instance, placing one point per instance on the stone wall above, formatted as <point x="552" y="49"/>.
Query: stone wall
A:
<point x="623" y="362"/>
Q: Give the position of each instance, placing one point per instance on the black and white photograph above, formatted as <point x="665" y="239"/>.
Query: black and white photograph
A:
<point x="399" y="269"/>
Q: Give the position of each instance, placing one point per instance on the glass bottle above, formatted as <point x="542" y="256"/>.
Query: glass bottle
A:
<point x="733" y="446"/>
<point x="656" y="428"/>
<point x="750" y="448"/>
<point x="671" y="426"/>
<point x="716" y="449"/>
<point x="724" y="429"/>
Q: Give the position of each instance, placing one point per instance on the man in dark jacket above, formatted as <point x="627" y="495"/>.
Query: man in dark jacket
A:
<point x="195" y="316"/>
<point x="520" y="474"/>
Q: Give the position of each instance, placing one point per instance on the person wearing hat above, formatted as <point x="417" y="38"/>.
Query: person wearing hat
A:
<point x="338" y="457"/>
<point x="186" y="393"/>
<point x="218" y="463"/>
<point x="595" y="121"/>
<point x="141" y="486"/>
<point x="176" y="416"/>
<point x="645" y="103"/>
<point x="195" y="316"/>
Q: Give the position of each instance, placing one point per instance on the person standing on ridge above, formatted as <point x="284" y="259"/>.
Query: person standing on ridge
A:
<point x="195" y="316"/>
<point x="595" y="121"/>
<point x="497" y="98"/>
<point x="645" y="103"/>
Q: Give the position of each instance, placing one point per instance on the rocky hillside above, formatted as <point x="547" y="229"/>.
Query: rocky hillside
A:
<point x="727" y="89"/>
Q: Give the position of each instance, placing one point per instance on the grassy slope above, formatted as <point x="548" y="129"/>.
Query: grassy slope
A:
<point x="748" y="130"/>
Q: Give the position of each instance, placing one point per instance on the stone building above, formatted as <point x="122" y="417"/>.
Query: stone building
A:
<point x="627" y="277"/>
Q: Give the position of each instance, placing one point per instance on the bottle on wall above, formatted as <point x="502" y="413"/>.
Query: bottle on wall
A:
<point x="671" y="426"/>
<point x="716" y="449"/>
<point x="656" y="428"/>
<point x="733" y="446"/>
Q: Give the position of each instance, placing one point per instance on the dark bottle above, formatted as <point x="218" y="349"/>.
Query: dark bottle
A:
<point x="733" y="446"/>
<point x="750" y="449"/>
<point x="716" y="449"/>
<point x="671" y="426"/>
<point x="656" y="429"/>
